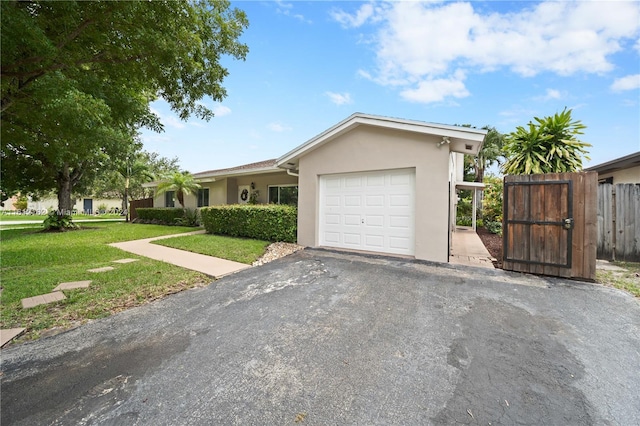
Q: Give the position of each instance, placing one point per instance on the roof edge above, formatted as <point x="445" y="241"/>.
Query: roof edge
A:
<point x="358" y="118"/>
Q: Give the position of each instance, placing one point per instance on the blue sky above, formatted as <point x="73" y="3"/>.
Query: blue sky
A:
<point x="312" y="64"/>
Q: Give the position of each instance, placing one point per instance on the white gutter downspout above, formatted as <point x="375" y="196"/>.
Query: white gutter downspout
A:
<point x="290" y="173"/>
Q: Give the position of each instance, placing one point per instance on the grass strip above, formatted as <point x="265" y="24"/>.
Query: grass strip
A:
<point x="243" y="250"/>
<point x="628" y="280"/>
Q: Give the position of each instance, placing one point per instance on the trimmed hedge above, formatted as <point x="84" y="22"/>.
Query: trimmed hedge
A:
<point x="160" y="215"/>
<point x="269" y="222"/>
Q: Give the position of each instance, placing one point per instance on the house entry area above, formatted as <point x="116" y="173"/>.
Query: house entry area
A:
<point x="371" y="211"/>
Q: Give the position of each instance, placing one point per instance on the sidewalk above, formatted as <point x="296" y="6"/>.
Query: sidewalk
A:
<point x="208" y="265"/>
<point x="467" y="249"/>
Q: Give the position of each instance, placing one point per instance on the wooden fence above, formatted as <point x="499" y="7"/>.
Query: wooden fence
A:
<point x="133" y="205"/>
<point x="619" y="222"/>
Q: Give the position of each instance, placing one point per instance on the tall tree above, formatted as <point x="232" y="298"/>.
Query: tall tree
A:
<point x="78" y="76"/>
<point x="125" y="180"/>
<point x="183" y="183"/>
<point x="547" y="146"/>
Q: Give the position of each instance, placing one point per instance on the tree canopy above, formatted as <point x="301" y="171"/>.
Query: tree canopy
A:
<point x="78" y="77"/>
<point x="547" y="146"/>
<point x="491" y="153"/>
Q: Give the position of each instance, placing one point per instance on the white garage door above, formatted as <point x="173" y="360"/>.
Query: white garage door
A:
<point x="371" y="211"/>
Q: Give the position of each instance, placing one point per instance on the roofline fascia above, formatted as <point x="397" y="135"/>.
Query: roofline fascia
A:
<point x="612" y="163"/>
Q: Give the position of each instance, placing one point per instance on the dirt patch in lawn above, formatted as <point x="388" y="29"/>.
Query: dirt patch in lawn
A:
<point x="493" y="243"/>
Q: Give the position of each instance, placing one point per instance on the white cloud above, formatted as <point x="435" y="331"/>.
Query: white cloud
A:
<point x="339" y="98"/>
<point x="168" y="119"/>
<point x="353" y="21"/>
<point x="420" y="43"/>
<point x="630" y="82"/>
<point x="286" y="9"/>
<point x="551" y="94"/>
<point x="437" y="90"/>
<point x="221" y="110"/>
<point x="278" y="127"/>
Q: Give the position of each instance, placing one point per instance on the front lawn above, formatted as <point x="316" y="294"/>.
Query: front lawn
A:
<point x="34" y="262"/>
<point x="243" y="250"/>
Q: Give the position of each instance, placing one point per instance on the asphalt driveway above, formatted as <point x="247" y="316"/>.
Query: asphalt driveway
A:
<point x="321" y="338"/>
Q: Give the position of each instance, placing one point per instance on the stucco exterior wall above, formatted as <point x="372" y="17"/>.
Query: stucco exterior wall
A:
<point x="630" y="175"/>
<point x="369" y="149"/>
<point x="262" y="183"/>
<point x="225" y="191"/>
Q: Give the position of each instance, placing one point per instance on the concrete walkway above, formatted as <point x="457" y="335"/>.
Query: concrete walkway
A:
<point x="467" y="249"/>
<point x="208" y="265"/>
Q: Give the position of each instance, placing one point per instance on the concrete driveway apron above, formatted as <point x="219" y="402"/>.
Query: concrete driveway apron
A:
<point x="325" y="338"/>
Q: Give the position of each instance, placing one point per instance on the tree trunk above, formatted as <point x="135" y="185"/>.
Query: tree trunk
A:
<point x="180" y="196"/>
<point x="65" y="206"/>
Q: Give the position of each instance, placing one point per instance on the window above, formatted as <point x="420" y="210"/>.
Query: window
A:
<point x="203" y="197"/>
<point x="168" y="199"/>
<point x="285" y="194"/>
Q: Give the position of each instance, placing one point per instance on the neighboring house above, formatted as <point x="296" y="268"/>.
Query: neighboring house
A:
<point x="621" y="170"/>
<point x="80" y="205"/>
<point x="369" y="183"/>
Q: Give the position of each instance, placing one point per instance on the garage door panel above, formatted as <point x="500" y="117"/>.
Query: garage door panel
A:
<point x="399" y="200"/>
<point x="332" y="200"/>
<point x="352" y="200"/>
<point x="377" y="220"/>
<point x="353" y="182"/>
<point x="399" y="243"/>
<point x="374" y="200"/>
<point x="403" y="222"/>
<point x="352" y="239"/>
<point x="375" y="242"/>
<point x="332" y="219"/>
<point x="371" y="211"/>
<point x="375" y="180"/>
<point x="332" y="237"/>
<point x="351" y="219"/>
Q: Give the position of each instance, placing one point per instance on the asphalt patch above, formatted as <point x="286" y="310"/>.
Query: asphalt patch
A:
<point x="86" y="384"/>
<point x="513" y="369"/>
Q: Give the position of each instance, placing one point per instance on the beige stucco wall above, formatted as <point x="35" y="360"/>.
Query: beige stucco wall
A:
<point x="368" y="149"/>
<point x="630" y="175"/>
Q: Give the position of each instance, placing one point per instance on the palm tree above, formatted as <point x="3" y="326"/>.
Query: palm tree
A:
<point x="548" y="146"/>
<point x="183" y="183"/>
<point x="133" y="169"/>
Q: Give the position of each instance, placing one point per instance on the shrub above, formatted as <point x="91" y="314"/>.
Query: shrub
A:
<point x="264" y="222"/>
<point x="492" y="203"/>
<point x="191" y="218"/>
<point x="160" y="215"/>
<point x="21" y="203"/>
<point x="494" y="227"/>
<point x="56" y="222"/>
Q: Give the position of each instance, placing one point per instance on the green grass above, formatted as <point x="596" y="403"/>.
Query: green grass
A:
<point x="33" y="263"/>
<point x="243" y="250"/>
<point x="628" y="280"/>
<point x="5" y="217"/>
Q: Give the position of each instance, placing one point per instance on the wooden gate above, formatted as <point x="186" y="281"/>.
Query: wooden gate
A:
<point x="144" y="202"/>
<point x="549" y="224"/>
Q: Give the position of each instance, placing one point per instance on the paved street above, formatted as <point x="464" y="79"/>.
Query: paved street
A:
<point x="324" y="338"/>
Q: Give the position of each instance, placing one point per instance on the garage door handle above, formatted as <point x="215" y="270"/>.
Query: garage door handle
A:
<point x="362" y="220"/>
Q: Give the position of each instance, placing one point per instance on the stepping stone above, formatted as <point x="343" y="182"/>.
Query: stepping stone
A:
<point x="125" y="260"/>
<point x="103" y="269"/>
<point x="9" y="334"/>
<point x="72" y="285"/>
<point x="30" y="302"/>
